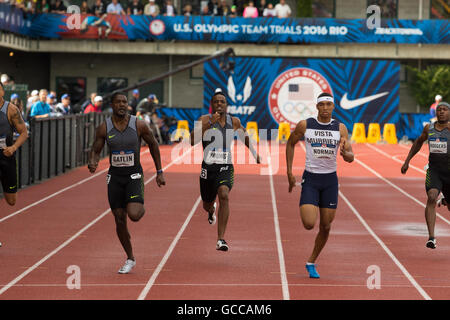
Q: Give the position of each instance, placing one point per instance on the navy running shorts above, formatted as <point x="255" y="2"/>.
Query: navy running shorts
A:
<point x="438" y="180"/>
<point x="123" y="189"/>
<point x="320" y="189"/>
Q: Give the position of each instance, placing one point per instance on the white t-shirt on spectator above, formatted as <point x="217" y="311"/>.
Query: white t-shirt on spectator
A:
<point x="170" y="11"/>
<point x="282" y="11"/>
<point x="269" y="12"/>
<point x="114" y="8"/>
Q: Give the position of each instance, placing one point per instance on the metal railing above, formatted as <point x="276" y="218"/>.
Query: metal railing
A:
<point x="57" y="145"/>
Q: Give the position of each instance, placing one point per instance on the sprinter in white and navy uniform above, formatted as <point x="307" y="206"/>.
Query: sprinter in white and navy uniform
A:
<point x="323" y="137"/>
<point x="125" y="179"/>
<point x="438" y="174"/>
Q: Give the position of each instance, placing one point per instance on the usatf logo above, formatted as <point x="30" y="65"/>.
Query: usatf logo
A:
<point x="293" y="94"/>
<point x="157" y="27"/>
<point x="239" y="99"/>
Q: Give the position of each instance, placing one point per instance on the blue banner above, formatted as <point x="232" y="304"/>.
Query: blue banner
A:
<point x="223" y="29"/>
<point x="271" y="91"/>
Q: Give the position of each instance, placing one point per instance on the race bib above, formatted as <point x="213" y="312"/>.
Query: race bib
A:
<point x="122" y="158"/>
<point x="2" y="143"/>
<point x="217" y="157"/>
<point x="438" y="145"/>
<point x="323" y="150"/>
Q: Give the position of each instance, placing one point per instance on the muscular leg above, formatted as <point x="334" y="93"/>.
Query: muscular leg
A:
<point x="208" y="206"/>
<point x="308" y="213"/>
<point x="120" y="216"/>
<point x="135" y="211"/>
<point x="430" y="210"/>
<point x="224" y="210"/>
<point x="326" y="218"/>
<point x="10" y="198"/>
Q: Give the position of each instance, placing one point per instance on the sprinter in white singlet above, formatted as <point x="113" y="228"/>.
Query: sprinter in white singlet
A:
<point x="323" y="136"/>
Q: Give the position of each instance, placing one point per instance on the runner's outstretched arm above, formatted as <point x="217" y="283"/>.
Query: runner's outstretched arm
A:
<point x="345" y="145"/>
<point x="417" y="145"/>
<point x="244" y="137"/>
<point x="295" y="137"/>
<point x="97" y="146"/>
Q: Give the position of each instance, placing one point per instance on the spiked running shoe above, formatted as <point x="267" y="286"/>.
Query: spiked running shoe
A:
<point x="126" y="268"/>
<point x="431" y="243"/>
<point x="222" y="245"/>
<point x="311" y="268"/>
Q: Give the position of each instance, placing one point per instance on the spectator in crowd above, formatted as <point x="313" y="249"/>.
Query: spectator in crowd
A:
<point x="32" y="99"/>
<point x="262" y="6"/>
<point x="269" y="11"/>
<point x="205" y="11"/>
<point x="64" y="106"/>
<point x="58" y="7"/>
<point x="88" y="101"/>
<point x="41" y="109"/>
<point x="135" y="8"/>
<point x="146" y="106"/>
<point x="233" y="12"/>
<point x="96" y="107"/>
<point x="4" y="78"/>
<point x="98" y="8"/>
<point x="151" y="8"/>
<point x="250" y="11"/>
<point x="239" y="7"/>
<point x="115" y="8"/>
<point x="224" y="9"/>
<point x="42" y="6"/>
<point x="133" y="103"/>
<point x="84" y="9"/>
<point x="15" y="100"/>
<point x="433" y="107"/>
<point x="168" y="9"/>
<point x="51" y="100"/>
<point x="162" y="130"/>
<point x="213" y="7"/>
<point x="283" y="10"/>
<point x="187" y="11"/>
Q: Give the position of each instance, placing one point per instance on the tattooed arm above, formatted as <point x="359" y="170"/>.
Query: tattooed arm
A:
<point x="16" y="120"/>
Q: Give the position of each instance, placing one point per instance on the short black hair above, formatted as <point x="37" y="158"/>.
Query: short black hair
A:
<point x="115" y="94"/>
<point x="325" y="94"/>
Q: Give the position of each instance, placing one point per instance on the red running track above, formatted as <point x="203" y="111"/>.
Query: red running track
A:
<point x="379" y="223"/>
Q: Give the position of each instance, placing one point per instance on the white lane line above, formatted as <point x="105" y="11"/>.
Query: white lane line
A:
<point x="76" y="235"/>
<point x="386" y="249"/>
<point x="56" y="193"/>
<point x="158" y="269"/>
<point x="393" y="158"/>
<point x="399" y="189"/>
<point x="284" y="282"/>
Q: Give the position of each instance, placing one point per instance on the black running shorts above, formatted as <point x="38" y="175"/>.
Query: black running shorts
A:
<point x="123" y="189"/>
<point x="8" y="173"/>
<point x="211" y="180"/>
<point x="320" y="189"/>
<point x="438" y="180"/>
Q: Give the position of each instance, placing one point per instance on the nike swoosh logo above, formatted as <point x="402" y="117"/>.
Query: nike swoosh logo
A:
<point x="223" y="181"/>
<point x="350" y="104"/>
<point x="112" y="136"/>
<point x="430" y="134"/>
<point x="132" y="197"/>
<point x="12" y="187"/>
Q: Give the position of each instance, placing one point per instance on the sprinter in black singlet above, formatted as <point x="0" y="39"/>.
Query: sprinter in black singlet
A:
<point x="123" y="132"/>
<point x="217" y="175"/>
<point x="10" y="120"/>
<point x="438" y="173"/>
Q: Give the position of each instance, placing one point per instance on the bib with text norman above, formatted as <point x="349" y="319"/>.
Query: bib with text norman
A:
<point x="322" y="143"/>
<point x="122" y="158"/>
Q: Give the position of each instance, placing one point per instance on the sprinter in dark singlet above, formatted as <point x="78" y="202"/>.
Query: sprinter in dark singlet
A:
<point x="217" y="175"/>
<point x="123" y="132"/>
<point x="10" y="120"/>
<point x="438" y="173"/>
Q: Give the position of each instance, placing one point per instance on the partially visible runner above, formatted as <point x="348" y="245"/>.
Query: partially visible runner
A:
<point x="217" y="175"/>
<point x="123" y="132"/>
<point x="10" y="120"/>
<point x="438" y="172"/>
<point x="323" y="137"/>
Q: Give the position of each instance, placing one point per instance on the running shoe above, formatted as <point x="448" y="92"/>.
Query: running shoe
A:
<point x="212" y="216"/>
<point x="222" y="245"/>
<point x="129" y="264"/>
<point x="0" y="244"/>
<point x="431" y="243"/>
<point x="312" y="271"/>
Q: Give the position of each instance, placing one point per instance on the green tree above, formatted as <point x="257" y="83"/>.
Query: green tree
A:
<point x="427" y="83"/>
<point x="304" y="8"/>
